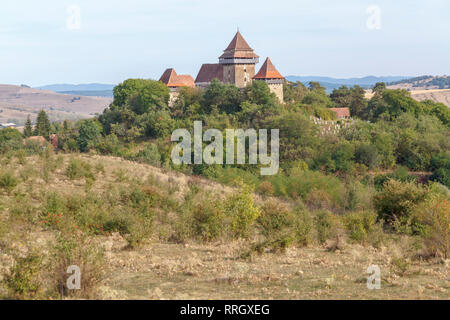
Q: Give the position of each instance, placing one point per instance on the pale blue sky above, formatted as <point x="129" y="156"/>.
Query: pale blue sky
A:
<point x="140" y="38"/>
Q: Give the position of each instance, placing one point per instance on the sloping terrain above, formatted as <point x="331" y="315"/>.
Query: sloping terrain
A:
<point x="436" y="95"/>
<point x="422" y="83"/>
<point x="164" y="269"/>
<point x="17" y="102"/>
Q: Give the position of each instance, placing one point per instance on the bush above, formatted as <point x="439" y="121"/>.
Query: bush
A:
<point x="435" y="216"/>
<point x="398" y="199"/>
<point x="441" y="175"/>
<point x="108" y="144"/>
<point x="359" y="225"/>
<point x="207" y="220"/>
<point x="240" y="208"/>
<point x="149" y="155"/>
<point x="327" y="226"/>
<point x="139" y="230"/>
<point x="74" y="248"/>
<point x="8" y="181"/>
<point x="303" y="227"/>
<point x="266" y="188"/>
<point x="24" y="280"/>
<point x="78" y="169"/>
<point x="310" y="186"/>
<point x="277" y="226"/>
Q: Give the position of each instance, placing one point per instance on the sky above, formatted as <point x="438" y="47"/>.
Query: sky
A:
<point x="107" y="41"/>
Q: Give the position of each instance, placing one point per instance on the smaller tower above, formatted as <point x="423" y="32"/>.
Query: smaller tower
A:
<point x="175" y="81"/>
<point x="272" y="77"/>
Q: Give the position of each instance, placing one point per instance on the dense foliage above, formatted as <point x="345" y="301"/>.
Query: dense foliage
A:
<point x="389" y="137"/>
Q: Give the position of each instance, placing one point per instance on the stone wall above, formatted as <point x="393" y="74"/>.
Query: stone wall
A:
<point x="277" y="88"/>
<point x="238" y="74"/>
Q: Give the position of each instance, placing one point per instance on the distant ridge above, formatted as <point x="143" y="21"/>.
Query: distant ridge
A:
<point x="77" y="87"/>
<point x="331" y="83"/>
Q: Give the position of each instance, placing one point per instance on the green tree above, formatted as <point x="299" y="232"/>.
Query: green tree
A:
<point x="28" y="130"/>
<point x="151" y="92"/>
<point x="42" y="125"/>
<point x="358" y="102"/>
<point x="259" y="93"/>
<point x="342" y="97"/>
<point x="379" y="88"/>
<point x="294" y="92"/>
<point x="226" y="97"/>
<point x="89" y="133"/>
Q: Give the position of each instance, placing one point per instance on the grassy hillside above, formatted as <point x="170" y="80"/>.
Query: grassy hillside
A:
<point x="142" y="232"/>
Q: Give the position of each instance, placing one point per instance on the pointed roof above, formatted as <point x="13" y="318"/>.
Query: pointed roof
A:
<point x="238" y="48"/>
<point x="208" y="72"/>
<point x="238" y="43"/>
<point x="172" y="79"/>
<point x="268" y="71"/>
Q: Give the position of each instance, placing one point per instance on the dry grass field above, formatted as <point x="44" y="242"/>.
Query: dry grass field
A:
<point x="16" y="103"/>
<point x="164" y="268"/>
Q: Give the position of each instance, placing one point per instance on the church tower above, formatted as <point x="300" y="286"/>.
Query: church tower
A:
<point x="272" y="77"/>
<point x="238" y="61"/>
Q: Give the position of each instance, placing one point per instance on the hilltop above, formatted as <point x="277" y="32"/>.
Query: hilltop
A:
<point x="422" y="83"/>
<point x="333" y="83"/>
<point x="17" y="102"/>
<point x="435" y="88"/>
<point x="89" y="89"/>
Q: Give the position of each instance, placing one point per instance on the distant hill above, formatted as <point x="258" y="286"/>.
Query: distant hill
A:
<point x="422" y="83"/>
<point x="17" y="102"/>
<point x="91" y="93"/>
<point x="333" y="83"/>
<point x="89" y="89"/>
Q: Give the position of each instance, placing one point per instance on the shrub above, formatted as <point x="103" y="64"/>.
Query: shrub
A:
<point x="74" y="248"/>
<point x="78" y="169"/>
<point x="310" y="186"/>
<point x="397" y="200"/>
<point x="435" y="216"/>
<point x="139" y="231"/>
<point x="327" y="226"/>
<point x="108" y="144"/>
<point x="207" y="220"/>
<point x="303" y="227"/>
<point x="282" y="227"/>
<point x="149" y="155"/>
<point x="274" y="219"/>
<point x="8" y="181"/>
<point x="442" y="175"/>
<point x="266" y="188"/>
<point x="240" y="208"/>
<point x="24" y="280"/>
<point x="360" y="224"/>
<point x="277" y="226"/>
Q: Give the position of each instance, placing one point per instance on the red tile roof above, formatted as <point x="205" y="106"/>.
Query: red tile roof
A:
<point x="341" y="112"/>
<point x="210" y="71"/>
<point x="172" y="79"/>
<point x="238" y="48"/>
<point x="268" y="71"/>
